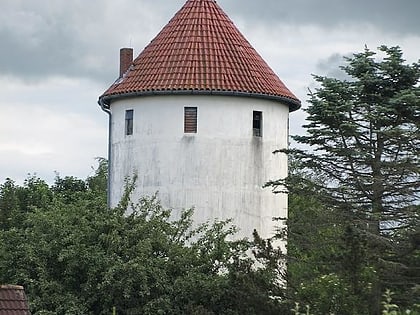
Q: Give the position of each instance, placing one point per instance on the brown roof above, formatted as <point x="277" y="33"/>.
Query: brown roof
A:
<point x="201" y="51"/>
<point x="13" y="300"/>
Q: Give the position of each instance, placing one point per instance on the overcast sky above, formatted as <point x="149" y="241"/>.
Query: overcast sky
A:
<point x="57" y="57"/>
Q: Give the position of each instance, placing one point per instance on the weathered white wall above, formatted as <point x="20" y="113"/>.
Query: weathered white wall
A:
<point x="220" y="170"/>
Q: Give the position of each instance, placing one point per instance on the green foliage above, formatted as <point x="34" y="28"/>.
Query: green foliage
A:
<point x="74" y="255"/>
<point x="389" y="308"/>
<point x="297" y="310"/>
<point x="326" y="266"/>
<point x="353" y="195"/>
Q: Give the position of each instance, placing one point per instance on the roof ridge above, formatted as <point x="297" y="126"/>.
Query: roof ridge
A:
<point x="11" y="286"/>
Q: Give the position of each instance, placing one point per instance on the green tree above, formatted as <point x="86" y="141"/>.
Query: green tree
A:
<point x="326" y="269"/>
<point x="364" y="141"/>
<point x="74" y="255"/>
<point x="17" y="201"/>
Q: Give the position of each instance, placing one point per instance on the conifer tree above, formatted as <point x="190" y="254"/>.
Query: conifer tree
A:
<point x="364" y="141"/>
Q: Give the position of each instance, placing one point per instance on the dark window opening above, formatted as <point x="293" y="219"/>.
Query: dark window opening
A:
<point x="257" y="124"/>
<point x="129" y="122"/>
<point x="190" y="119"/>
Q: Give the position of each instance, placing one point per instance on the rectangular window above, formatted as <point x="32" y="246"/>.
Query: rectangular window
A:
<point x="257" y="124"/>
<point x="129" y="122"/>
<point x="190" y="119"/>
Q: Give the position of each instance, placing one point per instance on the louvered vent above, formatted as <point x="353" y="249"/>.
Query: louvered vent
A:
<point x="190" y="119"/>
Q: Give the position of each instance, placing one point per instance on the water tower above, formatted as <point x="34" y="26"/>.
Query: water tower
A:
<point x="197" y="116"/>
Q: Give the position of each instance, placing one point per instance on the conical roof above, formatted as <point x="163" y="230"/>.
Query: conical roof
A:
<point x="200" y="51"/>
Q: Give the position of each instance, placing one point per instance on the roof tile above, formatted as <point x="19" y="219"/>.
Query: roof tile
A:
<point x="13" y="300"/>
<point x="200" y="49"/>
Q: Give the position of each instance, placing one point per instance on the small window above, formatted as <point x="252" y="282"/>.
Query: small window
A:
<point x="257" y="124"/>
<point x="129" y="122"/>
<point x="190" y="119"/>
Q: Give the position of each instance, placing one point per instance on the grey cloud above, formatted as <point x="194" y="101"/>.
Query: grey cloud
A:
<point x="81" y="38"/>
<point x="390" y="15"/>
<point x="55" y="53"/>
<point x="73" y="38"/>
<point x="37" y="45"/>
<point x="331" y="67"/>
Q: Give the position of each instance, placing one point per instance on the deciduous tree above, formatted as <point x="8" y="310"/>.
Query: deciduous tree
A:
<point x="74" y="255"/>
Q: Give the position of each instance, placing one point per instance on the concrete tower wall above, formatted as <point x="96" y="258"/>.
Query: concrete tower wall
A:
<point x="220" y="170"/>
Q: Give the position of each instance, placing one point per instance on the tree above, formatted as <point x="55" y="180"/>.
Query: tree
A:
<point x="16" y="201"/>
<point x="364" y="141"/>
<point x="74" y="255"/>
<point x="326" y="269"/>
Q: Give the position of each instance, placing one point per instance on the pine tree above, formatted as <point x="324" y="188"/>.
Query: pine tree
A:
<point x="364" y="140"/>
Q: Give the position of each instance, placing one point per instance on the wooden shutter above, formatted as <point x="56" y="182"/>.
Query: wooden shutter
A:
<point x="190" y="119"/>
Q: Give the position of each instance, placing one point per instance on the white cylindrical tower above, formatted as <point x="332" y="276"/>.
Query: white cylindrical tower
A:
<point x="197" y="116"/>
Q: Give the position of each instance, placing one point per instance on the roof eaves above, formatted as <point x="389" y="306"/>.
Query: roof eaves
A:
<point x="106" y="99"/>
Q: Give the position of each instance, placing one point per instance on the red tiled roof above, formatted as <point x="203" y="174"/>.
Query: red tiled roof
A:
<point x="13" y="300"/>
<point x="201" y="51"/>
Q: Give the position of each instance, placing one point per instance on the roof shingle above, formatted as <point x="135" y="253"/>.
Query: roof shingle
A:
<point x="201" y="51"/>
<point x="13" y="300"/>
